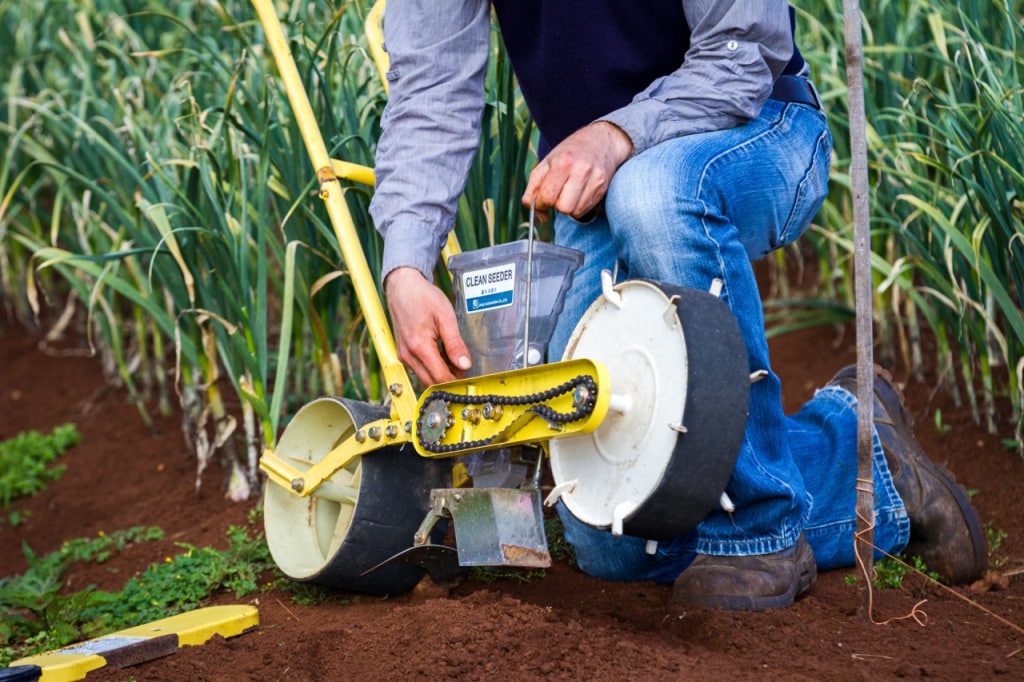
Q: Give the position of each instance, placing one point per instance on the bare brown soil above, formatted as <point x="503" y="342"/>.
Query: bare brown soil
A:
<point x="564" y="626"/>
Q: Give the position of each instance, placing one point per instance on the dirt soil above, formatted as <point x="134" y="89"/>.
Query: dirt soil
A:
<point x="564" y="626"/>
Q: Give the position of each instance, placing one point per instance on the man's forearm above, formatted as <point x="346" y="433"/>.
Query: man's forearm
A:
<point x="431" y="125"/>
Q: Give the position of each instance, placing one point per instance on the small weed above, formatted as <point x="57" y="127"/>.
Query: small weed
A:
<point x="310" y="594"/>
<point x="994" y="539"/>
<point x="940" y="426"/>
<point x="919" y="566"/>
<point x="303" y="594"/>
<point x="491" y="574"/>
<point x="17" y="517"/>
<point x="554" y="531"/>
<point x="890" y="572"/>
<point x="24" y="460"/>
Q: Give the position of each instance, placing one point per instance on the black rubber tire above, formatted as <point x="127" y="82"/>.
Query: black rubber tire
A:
<point x="393" y="498"/>
<point x="717" y="405"/>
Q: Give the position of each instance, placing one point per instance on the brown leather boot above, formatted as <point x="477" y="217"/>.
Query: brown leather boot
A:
<point x="747" y="583"/>
<point x="945" y="530"/>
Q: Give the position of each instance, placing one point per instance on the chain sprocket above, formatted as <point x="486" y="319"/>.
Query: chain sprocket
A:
<point x="434" y="421"/>
<point x="583" y="387"/>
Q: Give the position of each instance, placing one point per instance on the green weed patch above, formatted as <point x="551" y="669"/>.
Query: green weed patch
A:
<point x="36" y="617"/>
<point x="25" y="461"/>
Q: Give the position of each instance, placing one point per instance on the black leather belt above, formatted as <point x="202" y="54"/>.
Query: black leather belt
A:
<point x="796" y="89"/>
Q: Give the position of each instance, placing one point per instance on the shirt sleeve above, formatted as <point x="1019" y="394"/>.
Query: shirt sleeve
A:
<point x="737" y="50"/>
<point x="431" y="124"/>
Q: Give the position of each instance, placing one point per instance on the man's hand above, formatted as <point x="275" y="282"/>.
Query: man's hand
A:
<point x="422" y="316"/>
<point x="575" y="176"/>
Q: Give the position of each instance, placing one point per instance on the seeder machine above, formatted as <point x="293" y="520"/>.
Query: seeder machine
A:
<point x="639" y="422"/>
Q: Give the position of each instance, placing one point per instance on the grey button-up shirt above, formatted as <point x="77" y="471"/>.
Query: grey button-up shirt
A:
<point x="438" y="53"/>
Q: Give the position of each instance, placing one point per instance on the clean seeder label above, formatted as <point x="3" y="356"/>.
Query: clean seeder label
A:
<point x="490" y="288"/>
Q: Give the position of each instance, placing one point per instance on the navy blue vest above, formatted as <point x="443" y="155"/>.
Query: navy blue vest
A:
<point x="577" y="60"/>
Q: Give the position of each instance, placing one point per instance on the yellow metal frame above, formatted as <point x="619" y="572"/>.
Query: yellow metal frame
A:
<point x="398" y="428"/>
<point x="375" y="38"/>
<point x="510" y="426"/>
<point x="395" y="375"/>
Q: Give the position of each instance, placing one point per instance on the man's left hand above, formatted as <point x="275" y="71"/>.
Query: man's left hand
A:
<point x="575" y="176"/>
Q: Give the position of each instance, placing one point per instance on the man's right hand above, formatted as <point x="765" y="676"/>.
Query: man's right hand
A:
<point x="422" y="317"/>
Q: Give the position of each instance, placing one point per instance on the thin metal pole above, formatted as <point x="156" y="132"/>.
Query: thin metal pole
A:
<point x="529" y="285"/>
<point x="864" y="292"/>
<point x="403" y="398"/>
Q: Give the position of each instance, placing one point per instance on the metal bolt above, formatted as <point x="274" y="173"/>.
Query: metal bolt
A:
<point x="391" y="431"/>
<point x="471" y="415"/>
<point x="493" y="411"/>
<point x="360" y="436"/>
<point x="395" y="389"/>
<point x="375" y="432"/>
<point x="580" y="396"/>
<point x="407" y="426"/>
<point x="298" y="485"/>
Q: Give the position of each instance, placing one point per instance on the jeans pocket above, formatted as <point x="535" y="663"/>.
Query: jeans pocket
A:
<point x="810" y="193"/>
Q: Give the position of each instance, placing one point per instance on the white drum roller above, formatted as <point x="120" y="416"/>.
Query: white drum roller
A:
<point x="680" y="387"/>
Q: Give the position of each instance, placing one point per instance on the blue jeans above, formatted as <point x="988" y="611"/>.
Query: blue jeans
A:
<point x="691" y="210"/>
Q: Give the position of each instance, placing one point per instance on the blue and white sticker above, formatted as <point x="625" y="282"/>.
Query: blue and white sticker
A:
<point x="490" y="288"/>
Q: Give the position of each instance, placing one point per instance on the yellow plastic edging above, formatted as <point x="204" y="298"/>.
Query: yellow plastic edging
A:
<point x="185" y="629"/>
<point x="198" y="626"/>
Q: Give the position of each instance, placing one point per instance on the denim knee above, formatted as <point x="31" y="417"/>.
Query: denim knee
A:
<point x="645" y="193"/>
<point x="657" y="223"/>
